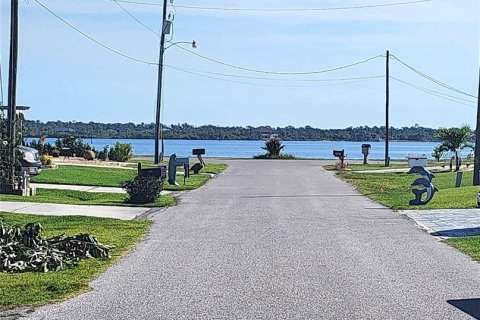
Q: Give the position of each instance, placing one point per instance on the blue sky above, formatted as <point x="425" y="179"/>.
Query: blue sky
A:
<point x="65" y="76"/>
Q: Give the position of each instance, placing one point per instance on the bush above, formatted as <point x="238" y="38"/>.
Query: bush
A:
<point x="142" y="190"/>
<point x="282" y="156"/>
<point x="76" y="145"/>
<point x="121" y="152"/>
<point x="273" y="146"/>
<point x="46" y="160"/>
<point x="103" y="155"/>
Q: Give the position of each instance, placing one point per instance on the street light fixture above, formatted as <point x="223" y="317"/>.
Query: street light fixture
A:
<point x="158" y="125"/>
<point x="166" y="26"/>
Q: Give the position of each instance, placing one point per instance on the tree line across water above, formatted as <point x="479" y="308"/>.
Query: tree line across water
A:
<point x="210" y="132"/>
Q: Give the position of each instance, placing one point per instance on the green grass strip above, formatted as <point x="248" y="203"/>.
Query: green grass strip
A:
<point x="32" y="289"/>
<point x="397" y="190"/>
<point x="84" y="198"/>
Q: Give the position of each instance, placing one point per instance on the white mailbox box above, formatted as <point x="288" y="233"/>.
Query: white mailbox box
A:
<point x="417" y="160"/>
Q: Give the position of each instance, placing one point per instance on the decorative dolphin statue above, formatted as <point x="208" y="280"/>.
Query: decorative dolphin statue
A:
<point x="426" y="182"/>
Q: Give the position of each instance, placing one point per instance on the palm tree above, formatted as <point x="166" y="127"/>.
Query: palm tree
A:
<point x="454" y="140"/>
<point x="273" y="146"/>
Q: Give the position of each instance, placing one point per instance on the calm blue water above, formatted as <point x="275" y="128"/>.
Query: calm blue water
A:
<point x="246" y="149"/>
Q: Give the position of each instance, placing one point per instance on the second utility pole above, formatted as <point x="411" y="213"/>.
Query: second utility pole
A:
<point x="476" y="164"/>
<point x="158" y="129"/>
<point x="12" y="90"/>
<point x="387" y="134"/>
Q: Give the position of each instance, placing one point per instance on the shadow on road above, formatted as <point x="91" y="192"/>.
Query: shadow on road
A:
<point x="467" y="232"/>
<point x="469" y="306"/>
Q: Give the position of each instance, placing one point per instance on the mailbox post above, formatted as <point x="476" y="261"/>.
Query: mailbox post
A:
<point x="366" y="151"/>
<point x="340" y="154"/>
<point x="175" y="162"/>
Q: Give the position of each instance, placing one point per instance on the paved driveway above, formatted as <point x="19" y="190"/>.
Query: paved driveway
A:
<point x="281" y="240"/>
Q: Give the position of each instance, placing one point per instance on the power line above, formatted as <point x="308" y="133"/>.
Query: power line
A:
<point x="276" y="72"/>
<point x="92" y="39"/>
<point x="135" y="18"/>
<point x="435" y="93"/>
<point x="277" y="79"/>
<point x="194" y="53"/>
<point x="280" y="9"/>
<point x="438" y="82"/>
<point x="263" y="84"/>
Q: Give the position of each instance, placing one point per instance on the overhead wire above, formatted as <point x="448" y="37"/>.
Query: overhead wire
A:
<point x="194" y="53"/>
<point x="436" y="93"/>
<point x="277" y="72"/>
<point x="263" y="84"/>
<point x="280" y="9"/>
<point x="93" y="39"/>
<point x="432" y="79"/>
<point x="136" y="19"/>
<point x="284" y="80"/>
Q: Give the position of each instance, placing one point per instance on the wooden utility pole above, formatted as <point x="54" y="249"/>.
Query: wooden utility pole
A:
<point x="387" y="105"/>
<point x="158" y="128"/>
<point x="12" y="89"/>
<point x="476" y="164"/>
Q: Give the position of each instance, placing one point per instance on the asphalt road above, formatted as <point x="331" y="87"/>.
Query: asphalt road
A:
<point x="281" y="240"/>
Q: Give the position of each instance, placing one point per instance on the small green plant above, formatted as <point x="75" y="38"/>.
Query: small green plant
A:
<point x="273" y="147"/>
<point x="75" y="145"/>
<point x="24" y="250"/>
<point x="121" y="152"/>
<point x="438" y="153"/>
<point x="103" y="155"/>
<point x="143" y="190"/>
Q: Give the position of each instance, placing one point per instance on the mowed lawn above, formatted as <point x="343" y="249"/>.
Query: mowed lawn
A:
<point x="114" y="177"/>
<point x="88" y="176"/>
<point x="394" y="189"/>
<point x="40" y="288"/>
<point x="85" y="198"/>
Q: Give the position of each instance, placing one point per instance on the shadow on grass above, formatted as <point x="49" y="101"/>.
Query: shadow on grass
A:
<point x="454" y="233"/>
<point x="469" y="306"/>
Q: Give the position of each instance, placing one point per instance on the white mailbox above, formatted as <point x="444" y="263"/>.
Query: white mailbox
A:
<point x="417" y="160"/>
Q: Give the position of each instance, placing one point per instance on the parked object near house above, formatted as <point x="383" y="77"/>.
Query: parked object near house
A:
<point x="30" y="162"/>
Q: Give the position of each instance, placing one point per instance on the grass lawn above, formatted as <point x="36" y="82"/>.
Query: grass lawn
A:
<point x="88" y="176"/>
<point x="112" y="177"/>
<point x="40" y="288"/>
<point x="85" y="198"/>
<point x="467" y="245"/>
<point x="377" y="166"/>
<point x="397" y="189"/>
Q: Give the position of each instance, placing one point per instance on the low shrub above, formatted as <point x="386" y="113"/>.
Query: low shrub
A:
<point x="121" y="152"/>
<point x="282" y="156"/>
<point x="142" y="190"/>
<point x="103" y="155"/>
<point x="46" y="160"/>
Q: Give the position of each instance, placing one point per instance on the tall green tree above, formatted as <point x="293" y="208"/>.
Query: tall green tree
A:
<point x="454" y="140"/>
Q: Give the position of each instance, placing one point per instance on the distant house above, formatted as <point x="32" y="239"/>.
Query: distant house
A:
<point x="64" y="130"/>
<point x="264" y="133"/>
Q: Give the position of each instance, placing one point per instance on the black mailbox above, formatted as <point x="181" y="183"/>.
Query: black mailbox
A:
<point x="157" y="172"/>
<point x="339" y="153"/>
<point x="366" y="148"/>
<point x="198" y="152"/>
